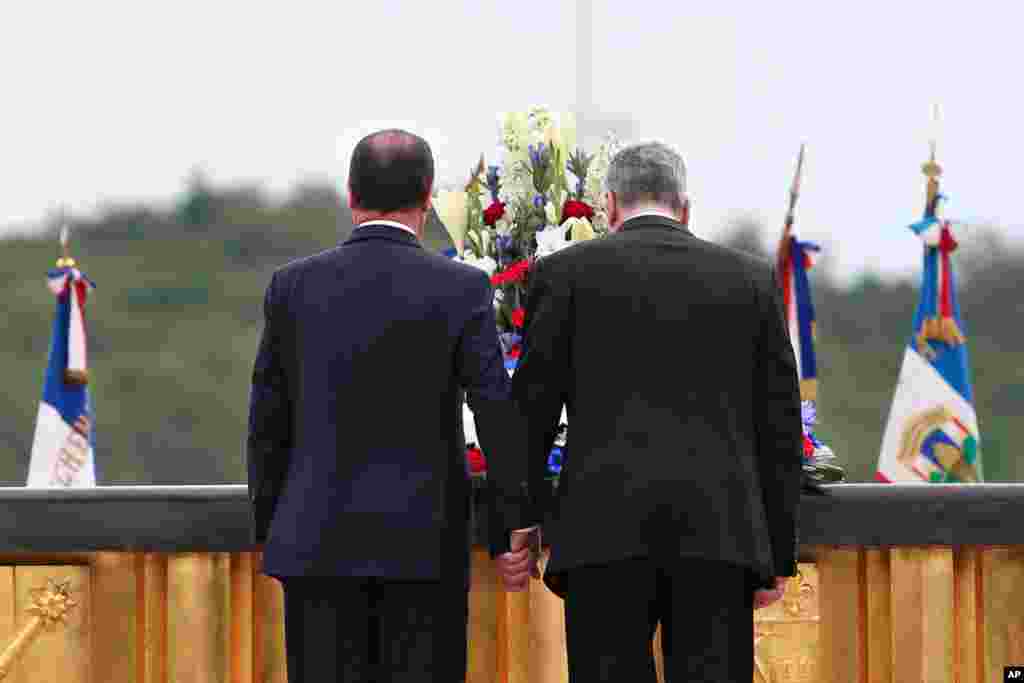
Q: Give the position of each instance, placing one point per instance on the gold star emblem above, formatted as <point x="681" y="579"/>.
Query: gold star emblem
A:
<point x="52" y="603"/>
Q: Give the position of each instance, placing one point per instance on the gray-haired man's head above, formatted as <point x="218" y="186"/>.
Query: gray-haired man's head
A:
<point x="648" y="176"/>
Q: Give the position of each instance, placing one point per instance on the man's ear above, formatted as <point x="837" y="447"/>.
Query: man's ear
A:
<point x="352" y="201"/>
<point x="612" y="208"/>
<point x="684" y="213"/>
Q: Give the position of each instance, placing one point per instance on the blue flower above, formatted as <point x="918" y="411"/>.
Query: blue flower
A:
<point x="555" y="460"/>
<point x="808" y="413"/>
<point x="492" y="182"/>
<point x="538" y="201"/>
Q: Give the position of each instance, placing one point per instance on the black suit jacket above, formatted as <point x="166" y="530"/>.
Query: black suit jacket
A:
<point x="356" y="453"/>
<point x="673" y="360"/>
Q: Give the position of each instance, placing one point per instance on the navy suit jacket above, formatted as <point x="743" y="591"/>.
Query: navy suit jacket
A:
<point x="356" y="453"/>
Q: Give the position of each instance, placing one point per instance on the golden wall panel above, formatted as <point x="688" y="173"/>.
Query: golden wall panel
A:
<point x="63" y="653"/>
<point x="115" y="616"/>
<point x="966" y="614"/>
<point x="842" y="573"/>
<point x="878" y="616"/>
<point x="482" y="638"/>
<point x="1002" y="600"/>
<point x="152" y="663"/>
<point x="270" y="664"/>
<point x="198" y="618"/>
<point x="517" y="650"/>
<point x="242" y="616"/>
<point x="922" y="614"/>
<point x="548" y="660"/>
<point x="864" y="615"/>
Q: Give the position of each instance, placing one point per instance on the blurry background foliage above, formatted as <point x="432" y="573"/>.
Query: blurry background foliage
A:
<point x="175" y="320"/>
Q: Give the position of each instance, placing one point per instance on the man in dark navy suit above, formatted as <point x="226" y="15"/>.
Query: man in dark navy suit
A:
<point x="357" y="472"/>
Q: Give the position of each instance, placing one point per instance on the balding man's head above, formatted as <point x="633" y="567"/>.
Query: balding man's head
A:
<point x="391" y="170"/>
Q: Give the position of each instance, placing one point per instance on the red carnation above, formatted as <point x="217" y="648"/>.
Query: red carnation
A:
<point x="518" y="317"/>
<point x="514" y="273"/>
<point x="477" y="462"/>
<point x="514" y="351"/>
<point x="576" y="209"/>
<point x="808" y="447"/>
<point x="493" y="212"/>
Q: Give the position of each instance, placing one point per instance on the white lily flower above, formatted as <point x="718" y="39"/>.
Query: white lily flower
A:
<point x="469" y="425"/>
<point x="551" y="213"/>
<point x="550" y="240"/>
<point x="484" y="263"/>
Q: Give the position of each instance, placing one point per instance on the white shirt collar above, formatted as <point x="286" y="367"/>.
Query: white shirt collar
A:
<point x="653" y="213"/>
<point x="391" y="224"/>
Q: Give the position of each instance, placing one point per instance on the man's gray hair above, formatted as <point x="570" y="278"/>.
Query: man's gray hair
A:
<point x="648" y="173"/>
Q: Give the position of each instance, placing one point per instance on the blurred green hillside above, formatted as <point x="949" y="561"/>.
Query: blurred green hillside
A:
<point x="175" y="319"/>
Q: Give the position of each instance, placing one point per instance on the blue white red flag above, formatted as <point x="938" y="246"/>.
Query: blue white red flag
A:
<point x="932" y="433"/>
<point x="63" y="446"/>
<point x="795" y="259"/>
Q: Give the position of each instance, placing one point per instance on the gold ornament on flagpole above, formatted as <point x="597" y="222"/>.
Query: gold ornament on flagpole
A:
<point x="939" y="328"/>
<point x="65" y="261"/>
<point x="931" y="168"/>
<point x="49" y="607"/>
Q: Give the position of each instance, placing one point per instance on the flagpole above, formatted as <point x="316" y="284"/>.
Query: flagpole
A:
<point x="65" y="261"/>
<point x="931" y="169"/>
<point x="787" y="228"/>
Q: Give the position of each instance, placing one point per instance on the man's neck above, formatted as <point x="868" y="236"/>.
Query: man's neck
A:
<point x="399" y="218"/>
<point x="651" y="210"/>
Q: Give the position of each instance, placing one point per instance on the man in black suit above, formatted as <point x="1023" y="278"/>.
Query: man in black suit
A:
<point x="678" y="498"/>
<point x="357" y="472"/>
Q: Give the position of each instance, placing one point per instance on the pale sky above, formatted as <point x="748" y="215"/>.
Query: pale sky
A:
<point x="110" y="101"/>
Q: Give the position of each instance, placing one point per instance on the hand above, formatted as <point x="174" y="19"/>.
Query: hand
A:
<point x="765" y="597"/>
<point x="516" y="567"/>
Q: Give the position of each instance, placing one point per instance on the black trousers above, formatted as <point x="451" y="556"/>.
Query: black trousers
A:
<point x="706" y="614"/>
<point x="365" y="630"/>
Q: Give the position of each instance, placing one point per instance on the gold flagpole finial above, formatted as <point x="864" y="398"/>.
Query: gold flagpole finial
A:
<point x="931" y="168"/>
<point x="65" y="261"/>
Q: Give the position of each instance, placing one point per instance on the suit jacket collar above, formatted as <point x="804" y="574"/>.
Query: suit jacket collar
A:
<point x="383" y="232"/>
<point x="652" y="221"/>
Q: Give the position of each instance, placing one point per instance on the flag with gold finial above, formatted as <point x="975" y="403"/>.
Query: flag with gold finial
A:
<point x="63" y="445"/>
<point x="794" y="260"/>
<point x="932" y="431"/>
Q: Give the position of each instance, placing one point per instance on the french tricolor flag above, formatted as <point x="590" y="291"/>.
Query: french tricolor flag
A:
<point x="932" y="434"/>
<point x="63" y="446"/>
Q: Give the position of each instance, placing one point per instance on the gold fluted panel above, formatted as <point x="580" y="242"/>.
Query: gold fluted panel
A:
<point x="242" y="617"/>
<point x="269" y="658"/>
<point x="114" y="655"/>
<point x="198" y="618"/>
<point x="843" y="612"/>
<point x="885" y="615"/>
<point x="548" y="660"/>
<point x="922" y="614"/>
<point x="1002" y="601"/>
<point x="877" y="592"/>
<point x="967" y="611"/>
<point x="152" y="662"/>
<point x="517" y="644"/>
<point x="482" y="641"/>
